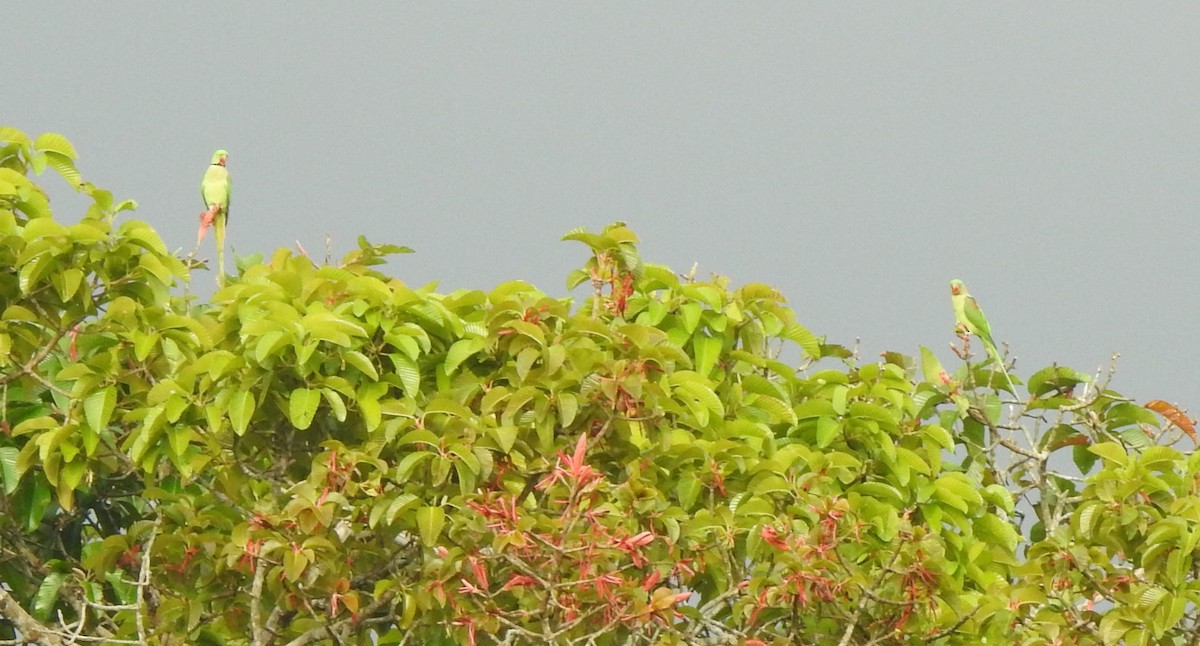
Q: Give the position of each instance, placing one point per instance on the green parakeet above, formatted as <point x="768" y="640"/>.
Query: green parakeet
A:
<point x="215" y="188"/>
<point x="969" y="317"/>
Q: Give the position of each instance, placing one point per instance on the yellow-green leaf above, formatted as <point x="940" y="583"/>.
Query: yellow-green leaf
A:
<point x="241" y="409"/>
<point x="98" y="407"/>
<point x="302" y="406"/>
<point x="360" y="361"/>
<point x="460" y="351"/>
<point x="506" y="436"/>
<point x="707" y="350"/>
<point x="56" y="143"/>
<point x="1110" y="451"/>
<point x="801" y="336"/>
<point x="429" y="523"/>
<point x="336" y="403"/>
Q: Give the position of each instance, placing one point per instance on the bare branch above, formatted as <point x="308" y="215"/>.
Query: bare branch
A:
<point x="257" y="632"/>
<point x="31" y="629"/>
<point x="144" y="580"/>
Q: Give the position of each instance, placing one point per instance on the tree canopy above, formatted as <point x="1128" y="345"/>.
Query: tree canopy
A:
<point x="321" y="453"/>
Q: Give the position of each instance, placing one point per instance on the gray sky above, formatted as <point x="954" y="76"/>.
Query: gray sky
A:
<point x="856" y="155"/>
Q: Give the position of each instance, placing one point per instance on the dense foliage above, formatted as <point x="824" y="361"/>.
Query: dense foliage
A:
<point x="324" y="454"/>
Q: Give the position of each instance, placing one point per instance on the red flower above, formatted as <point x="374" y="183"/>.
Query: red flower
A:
<point x="518" y="580"/>
<point x="771" y="535"/>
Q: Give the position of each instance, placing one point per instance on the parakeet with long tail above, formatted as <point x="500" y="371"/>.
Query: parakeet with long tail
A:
<point x="969" y="319"/>
<point x="215" y="188"/>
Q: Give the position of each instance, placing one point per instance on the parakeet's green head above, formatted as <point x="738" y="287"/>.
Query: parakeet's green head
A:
<point x="219" y="157"/>
<point x="956" y="287"/>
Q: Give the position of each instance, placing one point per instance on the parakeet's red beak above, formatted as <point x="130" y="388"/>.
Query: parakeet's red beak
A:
<point x="222" y="162"/>
<point x="954" y="289"/>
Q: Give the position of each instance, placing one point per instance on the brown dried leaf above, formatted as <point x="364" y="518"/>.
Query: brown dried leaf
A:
<point x="1175" y="416"/>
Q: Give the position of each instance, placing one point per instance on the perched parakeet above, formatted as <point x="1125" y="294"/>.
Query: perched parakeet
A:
<point x="215" y="189"/>
<point x="969" y="317"/>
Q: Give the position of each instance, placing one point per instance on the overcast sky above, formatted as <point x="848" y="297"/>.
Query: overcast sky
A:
<point x="856" y="155"/>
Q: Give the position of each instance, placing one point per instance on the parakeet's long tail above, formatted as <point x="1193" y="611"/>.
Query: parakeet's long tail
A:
<point x="219" y="231"/>
<point x="994" y="354"/>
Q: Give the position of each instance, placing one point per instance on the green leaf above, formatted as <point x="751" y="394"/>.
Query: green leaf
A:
<point x="419" y="436"/>
<point x="755" y="506"/>
<point x="1128" y="413"/>
<point x="401" y="503"/>
<point x="839" y="401"/>
<point x="687" y="489"/>
<point x="706" y="293"/>
<point x="881" y="491"/>
<point x="56" y="143"/>
<point x="360" y="361"/>
<point x="302" y="406"/>
<point x="827" y="429"/>
<point x="328" y="326"/>
<point x="814" y="408"/>
<point x="180" y="437"/>
<point x="956" y="490"/>
<point x="580" y="234"/>
<point x="467" y="457"/>
<point x="8" y="134"/>
<point x="241" y="410"/>
<point x="269" y="344"/>
<point x="33" y="424"/>
<point x="8" y="468"/>
<point x="67" y="282"/>
<point x="779" y="412"/>
<point x="47" y="595"/>
<point x="460" y="352"/>
<point x="294" y="564"/>
<point x="1083" y="458"/>
<point x="32" y="272"/>
<point x="939" y="435"/>
<point x="372" y="412"/>
<point x="1135" y="437"/>
<point x="931" y="368"/>
<point x="769" y="483"/>
<point x="506" y="436"/>
<point x="429" y="523"/>
<point x="98" y="407"/>
<point x="998" y="496"/>
<point x="64" y="167"/>
<point x="1054" y="378"/>
<point x="707" y="350"/>
<point x="801" y="336"/>
<point x="554" y="357"/>
<point x="528" y="329"/>
<point x="448" y="406"/>
<point x="736" y="501"/>
<point x="992" y="529"/>
<point x="1110" y="451"/>
<point x="409" y="373"/>
<point x="39" y="501"/>
<point x="525" y="360"/>
<point x="690" y="313"/>
<point x="403" y="471"/>
<point x="568" y="408"/>
<point x="1086" y="516"/>
<point x="912" y="460"/>
<point x="1113" y="628"/>
<point x="1151" y="596"/>
<point x="336" y="403"/>
<point x="1160" y="458"/>
<point x="704" y="395"/>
